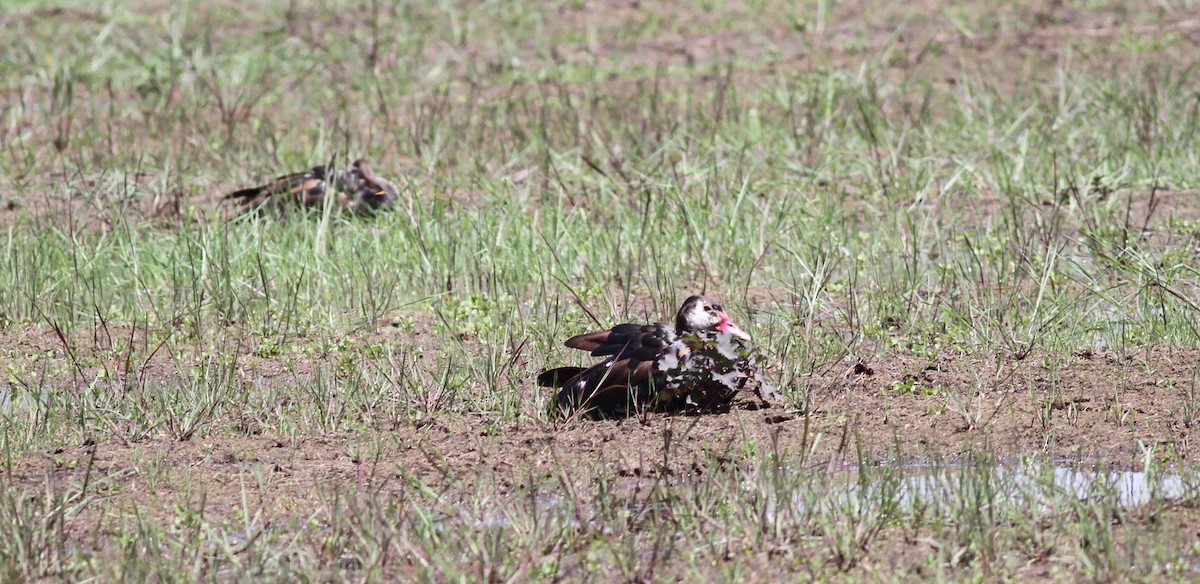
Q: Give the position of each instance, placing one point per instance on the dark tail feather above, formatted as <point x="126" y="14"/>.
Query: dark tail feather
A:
<point x="614" y="401"/>
<point x="567" y="402"/>
<point x="558" y="377"/>
<point x="245" y="193"/>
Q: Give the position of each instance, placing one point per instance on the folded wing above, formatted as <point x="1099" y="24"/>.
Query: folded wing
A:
<point x="623" y="379"/>
<point x="305" y="188"/>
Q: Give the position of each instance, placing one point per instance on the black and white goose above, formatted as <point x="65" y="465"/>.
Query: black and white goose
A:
<point x="638" y="359"/>
<point x="356" y="188"/>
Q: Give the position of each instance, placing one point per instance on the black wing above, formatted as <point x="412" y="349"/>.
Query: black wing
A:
<point x="625" y="378"/>
<point x="629" y="340"/>
<point x="306" y="188"/>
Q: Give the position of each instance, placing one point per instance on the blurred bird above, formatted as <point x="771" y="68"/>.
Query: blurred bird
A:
<point x="637" y="359"/>
<point x="356" y="188"/>
<point x="368" y="192"/>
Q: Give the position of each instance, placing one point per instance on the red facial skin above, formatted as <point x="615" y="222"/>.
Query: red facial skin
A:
<point x="726" y="326"/>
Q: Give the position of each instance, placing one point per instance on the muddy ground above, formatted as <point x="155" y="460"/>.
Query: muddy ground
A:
<point x="1093" y="407"/>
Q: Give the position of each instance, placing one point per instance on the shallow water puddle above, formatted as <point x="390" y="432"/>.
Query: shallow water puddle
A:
<point x="1042" y="485"/>
<point x="1131" y="487"/>
<point x="952" y="488"/>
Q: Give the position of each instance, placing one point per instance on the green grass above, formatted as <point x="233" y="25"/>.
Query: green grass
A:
<point x="722" y="522"/>
<point x="852" y="186"/>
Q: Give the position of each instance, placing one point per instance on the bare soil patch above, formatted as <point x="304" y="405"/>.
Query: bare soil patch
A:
<point x="1095" y="407"/>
